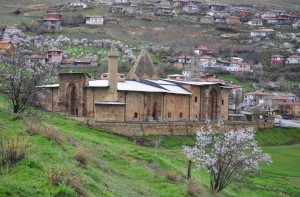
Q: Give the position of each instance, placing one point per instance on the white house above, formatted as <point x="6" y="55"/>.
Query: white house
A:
<point x="123" y="1"/>
<point x="294" y="59"/>
<point x="94" y="20"/>
<point x="11" y="30"/>
<point x="185" y="59"/>
<point x="78" y="5"/>
<point x="262" y="32"/>
<point x="255" y="22"/>
<point x="207" y="61"/>
<point x="193" y="73"/>
<point x="268" y="15"/>
<point x="296" y="25"/>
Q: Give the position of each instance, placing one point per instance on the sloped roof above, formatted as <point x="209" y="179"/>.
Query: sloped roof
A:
<point x="143" y="68"/>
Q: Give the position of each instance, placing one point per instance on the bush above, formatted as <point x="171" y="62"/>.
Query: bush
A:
<point x="64" y="191"/>
<point x="172" y="176"/>
<point x="57" y="175"/>
<point x="54" y="135"/>
<point x="34" y="128"/>
<point x="13" y="149"/>
<point x="82" y="155"/>
<point x="193" y="189"/>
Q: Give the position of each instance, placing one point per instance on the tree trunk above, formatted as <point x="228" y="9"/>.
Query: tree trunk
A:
<point x="189" y="175"/>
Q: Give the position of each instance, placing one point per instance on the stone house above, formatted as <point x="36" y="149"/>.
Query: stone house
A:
<point x="277" y="59"/>
<point x="294" y="59"/>
<point x="233" y="20"/>
<point x="79" y="62"/>
<point x="255" y="22"/>
<point x="52" y="20"/>
<point x="94" y="20"/>
<point x="206" y="20"/>
<point x="142" y="97"/>
<point x="55" y="55"/>
<point x="262" y="32"/>
<point x="116" y="9"/>
<point x="164" y="10"/>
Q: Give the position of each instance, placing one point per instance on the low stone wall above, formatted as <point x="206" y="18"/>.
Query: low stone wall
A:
<point x="161" y="128"/>
<point x="144" y="129"/>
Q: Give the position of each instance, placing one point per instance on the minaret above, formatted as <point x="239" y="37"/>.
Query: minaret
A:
<point x="113" y="58"/>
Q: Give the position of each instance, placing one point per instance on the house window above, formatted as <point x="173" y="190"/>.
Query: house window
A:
<point x="222" y="102"/>
<point x="196" y="99"/>
<point x="169" y="114"/>
<point x="135" y="114"/>
<point x="181" y="115"/>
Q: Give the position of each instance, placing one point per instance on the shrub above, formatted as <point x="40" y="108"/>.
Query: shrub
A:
<point x="172" y="176"/>
<point x="57" y="175"/>
<point x="82" y="155"/>
<point x="33" y="128"/>
<point x="13" y="149"/>
<point x="54" y="135"/>
<point x="193" y="189"/>
<point x="64" y="191"/>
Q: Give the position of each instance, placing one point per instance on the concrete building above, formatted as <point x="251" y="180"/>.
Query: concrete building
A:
<point x="294" y="59"/>
<point x="141" y="98"/>
<point x="94" y="20"/>
<point x="77" y="5"/>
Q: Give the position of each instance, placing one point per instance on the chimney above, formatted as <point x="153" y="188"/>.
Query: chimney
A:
<point x="113" y="74"/>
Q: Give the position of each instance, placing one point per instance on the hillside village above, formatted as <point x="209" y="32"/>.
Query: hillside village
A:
<point x="108" y="98"/>
<point x="200" y="63"/>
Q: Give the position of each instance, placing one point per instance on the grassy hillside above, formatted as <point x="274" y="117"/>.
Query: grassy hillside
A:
<point x="118" y="166"/>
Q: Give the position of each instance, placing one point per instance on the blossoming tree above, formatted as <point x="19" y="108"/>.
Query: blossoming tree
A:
<point x="227" y="155"/>
<point x="19" y="80"/>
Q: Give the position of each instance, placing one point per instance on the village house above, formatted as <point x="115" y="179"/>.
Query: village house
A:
<point x="241" y="13"/>
<point x="206" y="20"/>
<point x="180" y="3"/>
<point x="233" y="20"/>
<point x="298" y="51"/>
<point x="184" y="59"/>
<point x="8" y="45"/>
<point x="268" y="15"/>
<point x="37" y="59"/>
<point x="290" y="108"/>
<point x="79" y="62"/>
<point x="262" y="32"/>
<point x="11" y="30"/>
<point x="94" y="20"/>
<point x="234" y="64"/>
<point x="55" y="55"/>
<point x="252" y="98"/>
<point x="271" y="104"/>
<point x="177" y="77"/>
<point x="219" y="8"/>
<point x="142" y="97"/>
<point x="255" y="22"/>
<point x="122" y="1"/>
<point x="207" y="62"/>
<point x="277" y="59"/>
<point x="296" y="25"/>
<point x="116" y="9"/>
<point x="286" y="95"/>
<point x="294" y="59"/>
<point x="193" y="73"/>
<point x="164" y="10"/>
<point x="52" y="20"/>
<point x="77" y="5"/>
<point x="191" y="9"/>
<point x="203" y="50"/>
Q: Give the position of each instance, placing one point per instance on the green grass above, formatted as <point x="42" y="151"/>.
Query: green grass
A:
<point x="228" y="77"/>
